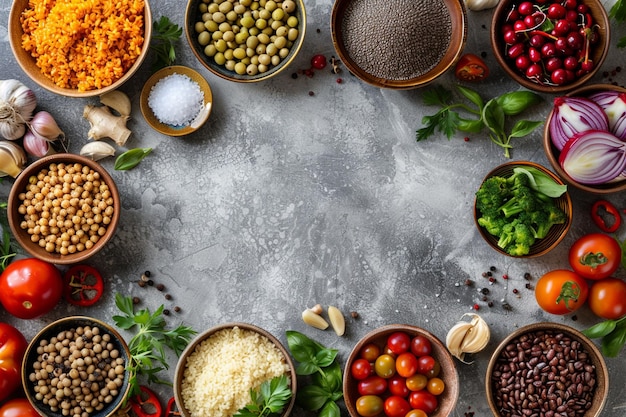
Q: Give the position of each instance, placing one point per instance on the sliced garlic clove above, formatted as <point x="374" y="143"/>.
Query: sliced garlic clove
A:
<point x="314" y="320"/>
<point x="12" y="159"/>
<point x="118" y="101"/>
<point x="337" y="320"/>
<point x="97" y="150"/>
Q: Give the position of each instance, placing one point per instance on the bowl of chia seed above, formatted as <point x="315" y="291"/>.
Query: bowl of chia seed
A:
<point x="398" y="44"/>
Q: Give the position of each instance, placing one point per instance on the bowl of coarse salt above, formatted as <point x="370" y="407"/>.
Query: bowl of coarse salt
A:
<point x="176" y="101"/>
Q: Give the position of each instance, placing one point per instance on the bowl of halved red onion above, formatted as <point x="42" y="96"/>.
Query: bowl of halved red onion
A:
<point x="585" y="138"/>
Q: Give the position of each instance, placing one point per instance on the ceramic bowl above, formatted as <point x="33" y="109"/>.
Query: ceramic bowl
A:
<point x="552" y="153"/>
<point x="446" y="400"/>
<point x="597" y="55"/>
<point x="33" y="355"/>
<point x="545" y="341"/>
<point x="168" y="129"/>
<point x="23" y="237"/>
<point x="213" y="340"/>
<point x="404" y="61"/>
<point x="193" y="16"/>
<point x="28" y="64"/>
<point x="557" y="232"/>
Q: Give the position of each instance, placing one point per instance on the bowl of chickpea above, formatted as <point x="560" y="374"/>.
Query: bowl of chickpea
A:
<point x="63" y="208"/>
<point x="245" y="41"/>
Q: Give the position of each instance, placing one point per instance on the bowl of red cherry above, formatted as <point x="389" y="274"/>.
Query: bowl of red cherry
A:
<point x="550" y="47"/>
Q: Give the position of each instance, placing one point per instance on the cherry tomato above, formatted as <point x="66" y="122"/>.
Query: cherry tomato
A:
<point x="561" y="291"/>
<point x="18" y="407"/>
<point x="607" y="298"/>
<point x="435" y="386"/>
<point x="398" y="342"/>
<point x="416" y="413"/>
<point x="595" y="256"/>
<point x="385" y="366"/>
<point x="420" y="346"/>
<point x="370" y="352"/>
<point x="361" y="369"/>
<point x="13" y="345"/>
<point x="423" y="400"/>
<point x="369" y="405"/>
<point x="425" y="364"/>
<point x="416" y="382"/>
<point x="406" y="364"/>
<point x="396" y="406"/>
<point x="397" y="386"/>
<point x="30" y="288"/>
<point x="471" y="68"/>
<point x="372" y="385"/>
<point x="83" y="285"/>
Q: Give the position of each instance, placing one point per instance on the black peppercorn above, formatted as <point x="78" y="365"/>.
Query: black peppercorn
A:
<point x="166" y="312"/>
<point x="168" y="296"/>
<point x="136" y="300"/>
<point x="177" y="309"/>
<point x="160" y="287"/>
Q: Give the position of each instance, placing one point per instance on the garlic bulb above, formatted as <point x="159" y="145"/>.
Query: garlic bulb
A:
<point x="476" y="5"/>
<point x="468" y="337"/>
<point x="44" y="127"/>
<point x="17" y="103"/>
<point x="97" y="150"/>
<point x="12" y="159"/>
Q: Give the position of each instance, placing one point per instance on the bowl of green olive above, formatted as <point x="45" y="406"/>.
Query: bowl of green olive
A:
<point x="245" y="41"/>
<point x="76" y="366"/>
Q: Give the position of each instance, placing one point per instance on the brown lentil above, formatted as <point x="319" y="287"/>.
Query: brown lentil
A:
<point x="543" y="373"/>
<point x="66" y="208"/>
<point x="396" y="39"/>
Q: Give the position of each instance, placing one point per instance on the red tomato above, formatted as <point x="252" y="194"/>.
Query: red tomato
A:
<point x="425" y="364"/>
<point x="561" y="291"/>
<point x="420" y="346"/>
<point x="370" y="352"/>
<point x="12" y="348"/>
<point x="406" y="364"/>
<point x="396" y="406"/>
<point x="18" y="407"/>
<point x="471" y="68"/>
<point x="398" y="342"/>
<point x="372" y="385"/>
<point x="397" y="386"/>
<point x="361" y="369"/>
<point x="30" y="288"/>
<point x="595" y="256"/>
<point x="423" y="400"/>
<point x="607" y="298"/>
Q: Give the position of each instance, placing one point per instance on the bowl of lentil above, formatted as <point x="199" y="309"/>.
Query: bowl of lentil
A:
<point x="245" y="41"/>
<point x="547" y="369"/>
<point x="550" y="52"/>
<point x="217" y="370"/>
<point x="176" y="101"/>
<point x="63" y="208"/>
<point x="404" y="363"/>
<point x="76" y="366"/>
<point x="399" y="44"/>
<point x="80" y="48"/>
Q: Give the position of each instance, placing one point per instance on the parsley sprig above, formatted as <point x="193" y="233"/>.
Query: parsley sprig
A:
<point x="6" y="251"/>
<point x="271" y="398"/>
<point x="147" y="346"/>
<point x="165" y="35"/>
<point x="618" y="13"/>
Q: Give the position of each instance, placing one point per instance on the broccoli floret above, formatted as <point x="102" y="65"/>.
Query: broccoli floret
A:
<point x="548" y="217"/>
<point x="493" y="222"/>
<point x="492" y="194"/>
<point x="516" y="238"/>
<point x="524" y="200"/>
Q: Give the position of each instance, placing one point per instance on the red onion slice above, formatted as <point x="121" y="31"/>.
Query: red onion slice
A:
<point x="573" y="115"/>
<point x="593" y="157"/>
<point x="614" y="105"/>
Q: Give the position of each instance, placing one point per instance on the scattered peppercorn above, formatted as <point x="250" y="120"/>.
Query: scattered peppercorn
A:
<point x="147" y="273"/>
<point x="574" y="317"/>
<point x="166" y="312"/>
<point x="469" y="282"/>
<point x="311" y="93"/>
<point x="490" y="303"/>
<point x="136" y="300"/>
<point x="318" y="30"/>
<point x="466" y="139"/>
<point x="505" y="276"/>
<point x="529" y="286"/>
<point x="142" y="283"/>
<point x="177" y="309"/>
<point x="492" y="268"/>
<point x="476" y="307"/>
<point x="484" y="291"/>
<point x="515" y="291"/>
<point x="168" y="297"/>
<point x="150" y="282"/>
<point x="339" y="80"/>
<point x="506" y="306"/>
<point x="527" y="276"/>
<point x="294" y="75"/>
<point x="144" y="278"/>
<point x="160" y="287"/>
<point x="492" y="280"/>
<point x="484" y="274"/>
<point x="354" y="314"/>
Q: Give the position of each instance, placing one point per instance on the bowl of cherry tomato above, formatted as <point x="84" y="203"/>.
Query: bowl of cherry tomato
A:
<point x="550" y="47"/>
<point x="400" y="370"/>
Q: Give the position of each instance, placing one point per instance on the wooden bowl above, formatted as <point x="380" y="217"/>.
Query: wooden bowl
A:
<point x="28" y="64"/>
<point x="172" y="130"/>
<point x="516" y="341"/>
<point x="557" y="232"/>
<point x="390" y="68"/>
<point x="552" y="153"/>
<point x="598" y="55"/>
<point x="193" y="15"/>
<point x="447" y="399"/>
<point x="15" y="218"/>
<point x="52" y="330"/>
<point x="211" y="334"/>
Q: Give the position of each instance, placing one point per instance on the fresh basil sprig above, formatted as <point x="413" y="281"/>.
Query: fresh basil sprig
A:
<point x="320" y="363"/>
<point x="612" y="333"/>
<point x="131" y="158"/>
<point x="271" y="398"/>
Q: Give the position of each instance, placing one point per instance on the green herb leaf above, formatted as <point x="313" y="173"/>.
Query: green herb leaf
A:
<point x="493" y="116"/>
<point x="618" y="11"/>
<point x="515" y="102"/>
<point x="523" y="128"/>
<point x="470" y="126"/>
<point x="600" y="330"/>
<point x="613" y="342"/>
<point x="472" y="96"/>
<point x="542" y="182"/>
<point x="312" y="397"/>
<point x="131" y="158"/>
<point x="330" y="409"/>
<point x="437" y="96"/>
<point x="331" y="379"/>
<point x="272" y="397"/>
<point x="165" y="35"/>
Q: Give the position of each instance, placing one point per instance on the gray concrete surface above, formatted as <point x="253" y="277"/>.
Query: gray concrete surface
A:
<point x="286" y="199"/>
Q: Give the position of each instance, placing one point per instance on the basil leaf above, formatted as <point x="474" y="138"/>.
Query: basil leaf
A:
<point x="542" y="182"/>
<point x="330" y="409"/>
<point x="493" y="116"/>
<point x="523" y="128"/>
<point x="131" y="158"/>
<point x="307" y="368"/>
<point x="302" y="348"/>
<point x="472" y="96"/>
<point x="471" y="126"/>
<point x="312" y="397"/>
<point x="600" y="330"/>
<point x="515" y="102"/>
<point x="613" y="342"/>
<point x="331" y="379"/>
<point x="325" y="357"/>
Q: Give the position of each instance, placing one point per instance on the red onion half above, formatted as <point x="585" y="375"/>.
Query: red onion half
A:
<point x="572" y="115"/>
<point x="593" y="157"/>
<point x="614" y="105"/>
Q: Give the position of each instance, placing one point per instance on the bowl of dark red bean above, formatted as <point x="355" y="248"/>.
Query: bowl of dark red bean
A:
<point x="398" y="44"/>
<point x="547" y="369"/>
<point x="550" y="47"/>
<point x="76" y="367"/>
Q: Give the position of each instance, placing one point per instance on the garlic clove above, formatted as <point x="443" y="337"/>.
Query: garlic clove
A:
<point x="97" y="150"/>
<point x="118" y="101"/>
<point x="12" y="159"/>
<point x="45" y="127"/>
<point x="314" y="320"/>
<point x="337" y="320"/>
<point x="466" y="337"/>
<point x="17" y="103"/>
<point x="36" y="145"/>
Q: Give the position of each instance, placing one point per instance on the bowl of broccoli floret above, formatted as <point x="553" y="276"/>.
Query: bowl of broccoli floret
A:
<point x="522" y="209"/>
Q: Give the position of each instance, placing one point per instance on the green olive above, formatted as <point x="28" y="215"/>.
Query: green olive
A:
<point x="292" y="35"/>
<point x="226" y="7"/>
<point x="289" y="6"/>
<point x="202" y="7"/>
<point x="210" y="25"/>
<point x="210" y="50"/>
<point x="261" y="23"/>
<point x="265" y="14"/>
<point x="292" y="21"/>
<point x="219" y="17"/>
<point x="278" y="14"/>
<point x="220" y="45"/>
<point x="280" y="42"/>
<point x="252" y="69"/>
<point x="213" y="7"/>
<point x="199" y="27"/>
<point x="252" y="42"/>
<point x="204" y="38"/>
<point x="229" y="54"/>
<point x="230" y="65"/>
<point x="239" y="53"/>
<point x="263" y="38"/>
<point x="219" y="58"/>
<point x="240" y="68"/>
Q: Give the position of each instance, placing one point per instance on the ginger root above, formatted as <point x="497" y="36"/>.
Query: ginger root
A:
<point x="104" y="124"/>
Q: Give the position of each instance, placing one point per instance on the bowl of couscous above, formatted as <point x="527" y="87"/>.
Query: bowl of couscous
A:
<point x="80" y="48"/>
<point x="217" y="370"/>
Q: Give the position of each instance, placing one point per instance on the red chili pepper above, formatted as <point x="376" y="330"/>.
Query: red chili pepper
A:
<point x="146" y="403"/>
<point x="602" y="209"/>
<point x="83" y="285"/>
<point x="172" y="408"/>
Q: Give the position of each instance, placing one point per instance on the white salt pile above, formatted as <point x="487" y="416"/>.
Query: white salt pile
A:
<point x="176" y="100"/>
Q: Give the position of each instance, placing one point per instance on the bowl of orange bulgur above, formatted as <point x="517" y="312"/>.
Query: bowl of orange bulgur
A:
<point x="80" y="48"/>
